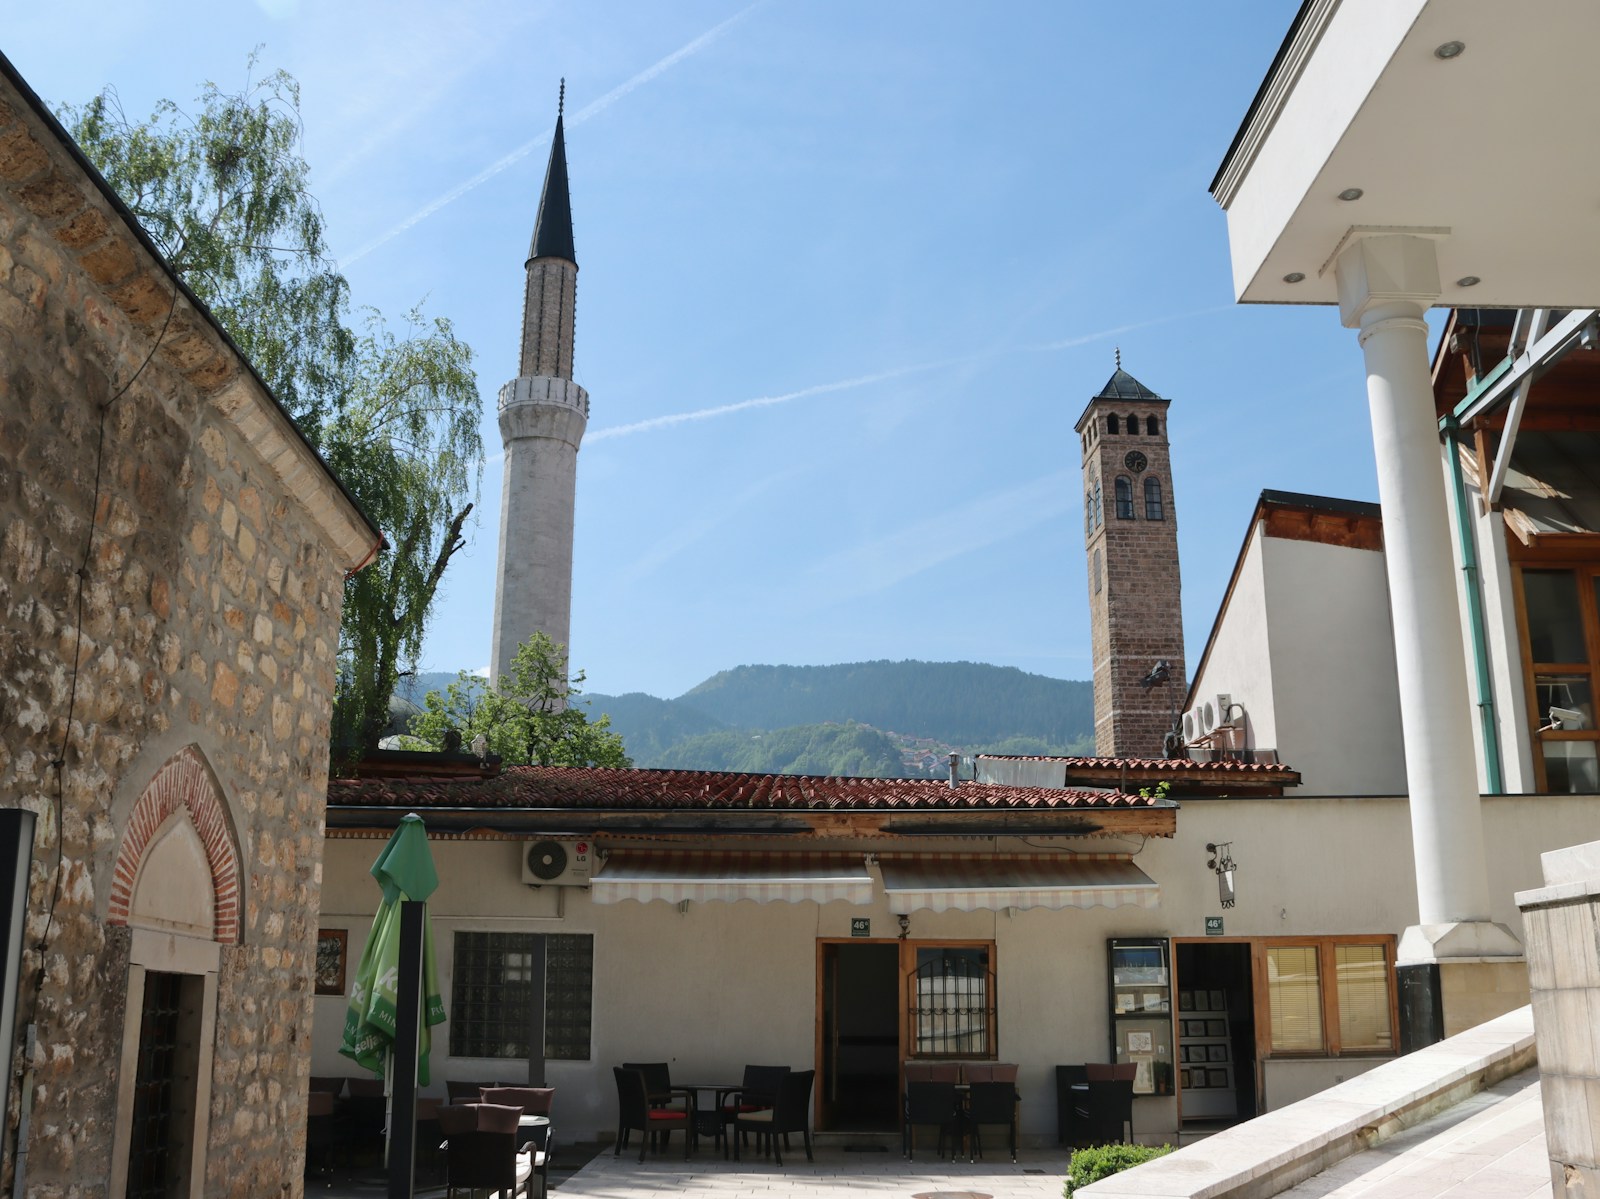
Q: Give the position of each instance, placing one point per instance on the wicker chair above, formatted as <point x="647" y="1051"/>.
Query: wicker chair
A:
<point x="534" y="1101"/>
<point x="634" y="1112"/>
<point x="481" y="1149"/>
<point x="756" y="1093"/>
<point x="1106" y="1106"/>
<point x="991" y="1103"/>
<point x="930" y="1103"/>
<point x="790" y="1112"/>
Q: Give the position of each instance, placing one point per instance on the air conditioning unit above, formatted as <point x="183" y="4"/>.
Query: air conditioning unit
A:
<point x="1192" y="731"/>
<point x="553" y="863"/>
<point x="1224" y="703"/>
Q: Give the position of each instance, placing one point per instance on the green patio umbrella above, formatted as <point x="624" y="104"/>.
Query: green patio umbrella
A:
<point x="405" y="871"/>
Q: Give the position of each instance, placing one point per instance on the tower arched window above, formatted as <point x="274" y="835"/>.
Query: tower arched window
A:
<point x="1124" y="487"/>
<point x="1152" y="499"/>
<point x="1152" y="426"/>
<point x="1088" y="515"/>
<point x="1097" y="509"/>
<point x="1097" y="572"/>
<point x="1133" y="424"/>
<point x="1112" y="424"/>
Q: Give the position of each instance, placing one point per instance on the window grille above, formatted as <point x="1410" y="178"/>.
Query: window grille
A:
<point x="952" y="999"/>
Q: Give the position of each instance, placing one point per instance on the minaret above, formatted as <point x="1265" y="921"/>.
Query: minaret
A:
<point x="542" y="417"/>
<point x="1131" y="536"/>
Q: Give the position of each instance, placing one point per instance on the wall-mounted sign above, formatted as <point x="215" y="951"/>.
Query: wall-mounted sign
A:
<point x="860" y="926"/>
<point x="1213" y="926"/>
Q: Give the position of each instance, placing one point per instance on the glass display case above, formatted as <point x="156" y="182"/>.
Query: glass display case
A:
<point x="1140" y="973"/>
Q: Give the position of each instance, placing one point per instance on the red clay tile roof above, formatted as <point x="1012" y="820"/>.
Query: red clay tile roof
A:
<point x="1162" y="765"/>
<point x="599" y="788"/>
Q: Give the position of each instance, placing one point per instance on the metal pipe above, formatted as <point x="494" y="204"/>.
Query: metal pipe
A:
<point x="1471" y="576"/>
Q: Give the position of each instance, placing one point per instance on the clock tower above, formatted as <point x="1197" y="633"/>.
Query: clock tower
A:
<point x="1130" y="531"/>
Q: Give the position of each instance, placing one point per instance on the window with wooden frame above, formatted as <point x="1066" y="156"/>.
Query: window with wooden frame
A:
<point x="1325" y="996"/>
<point x="1557" y="606"/>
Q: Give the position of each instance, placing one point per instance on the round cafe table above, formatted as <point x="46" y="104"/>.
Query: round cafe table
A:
<point x="708" y="1120"/>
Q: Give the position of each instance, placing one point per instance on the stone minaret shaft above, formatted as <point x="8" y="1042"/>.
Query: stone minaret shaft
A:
<point x="1135" y="592"/>
<point x="543" y="414"/>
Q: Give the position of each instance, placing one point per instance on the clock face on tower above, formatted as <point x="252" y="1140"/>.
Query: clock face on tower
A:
<point x="1135" y="461"/>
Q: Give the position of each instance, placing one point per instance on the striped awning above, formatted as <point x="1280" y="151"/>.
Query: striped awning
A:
<point x="942" y="882"/>
<point x="729" y="877"/>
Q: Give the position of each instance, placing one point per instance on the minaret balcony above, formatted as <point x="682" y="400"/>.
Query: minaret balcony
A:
<point x="544" y="389"/>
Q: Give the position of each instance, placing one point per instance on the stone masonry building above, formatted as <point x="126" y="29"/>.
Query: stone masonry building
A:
<point x="171" y="561"/>
<point x="1131" y="538"/>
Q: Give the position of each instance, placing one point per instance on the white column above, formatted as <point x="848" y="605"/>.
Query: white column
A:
<point x="1386" y="283"/>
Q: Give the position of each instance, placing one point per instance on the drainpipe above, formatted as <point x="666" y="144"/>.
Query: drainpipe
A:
<point x="1479" y="633"/>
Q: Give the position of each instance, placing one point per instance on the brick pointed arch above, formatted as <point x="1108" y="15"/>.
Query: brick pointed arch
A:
<point x="184" y="781"/>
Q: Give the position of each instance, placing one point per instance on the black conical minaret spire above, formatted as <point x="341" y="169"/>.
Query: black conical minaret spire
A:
<point x="552" y="231"/>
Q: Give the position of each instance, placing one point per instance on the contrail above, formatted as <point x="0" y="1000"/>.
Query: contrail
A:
<point x="583" y="114"/>
<point x="679" y="418"/>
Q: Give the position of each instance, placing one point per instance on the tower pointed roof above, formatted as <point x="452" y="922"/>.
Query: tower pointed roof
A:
<point x="1123" y="386"/>
<point x="552" y="231"/>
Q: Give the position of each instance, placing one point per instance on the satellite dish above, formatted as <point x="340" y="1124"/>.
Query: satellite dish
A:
<point x="547" y="860"/>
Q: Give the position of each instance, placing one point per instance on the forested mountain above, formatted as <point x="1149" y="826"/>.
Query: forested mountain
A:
<point x="836" y="749"/>
<point x="651" y="726"/>
<point x="875" y="719"/>
<point x="964" y="703"/>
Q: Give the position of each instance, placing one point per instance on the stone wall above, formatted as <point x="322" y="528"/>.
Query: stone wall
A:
<point x="1561" y="929"/>
<point x="205" y="615"/>
<point x="1135" y="613"/>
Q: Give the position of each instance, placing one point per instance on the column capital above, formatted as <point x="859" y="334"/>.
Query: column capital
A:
<point x="1388" y="269"/>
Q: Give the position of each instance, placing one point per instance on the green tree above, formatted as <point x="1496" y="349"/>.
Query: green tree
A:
<point x="225" y="194"/>
<point x="529" y="717"/>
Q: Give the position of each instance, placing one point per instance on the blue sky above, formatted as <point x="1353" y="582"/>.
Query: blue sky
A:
<point x="848" y="274"/>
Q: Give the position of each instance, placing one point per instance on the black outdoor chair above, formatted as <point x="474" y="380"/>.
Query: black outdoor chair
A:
<point x="634" y="1112"/>
<point x="481" y="1149"/>
<point x="322" y="1132"/>
<point x="790" y="1112"/>
<point x="534" y="1101"/>
<point x="363" y="1117"/>
<point x="1104" y="1108"/>
<point x="757" y="1093"/>
<point x="991" y="1103"/>
<point x="658" y="1085"/>
<point x="936" y="1103"/>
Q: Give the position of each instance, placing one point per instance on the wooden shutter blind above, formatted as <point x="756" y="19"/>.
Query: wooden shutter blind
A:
<point x="1295" y="998"/>
<point x="1362" y="977"/>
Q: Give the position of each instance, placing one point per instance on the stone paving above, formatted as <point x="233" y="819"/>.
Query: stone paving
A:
<point x="1037" y="1174"/>
<point x="1489" y="1146"/>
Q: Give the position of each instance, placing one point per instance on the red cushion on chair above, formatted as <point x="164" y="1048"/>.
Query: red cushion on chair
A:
<point x="657" y="1113"/>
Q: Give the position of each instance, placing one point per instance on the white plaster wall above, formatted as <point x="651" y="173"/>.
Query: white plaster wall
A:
<point x="1239" y="662"/>
<point x="1333" y="667"/>
<point x="1505" y="653"/>
<point x="730" y="984"/>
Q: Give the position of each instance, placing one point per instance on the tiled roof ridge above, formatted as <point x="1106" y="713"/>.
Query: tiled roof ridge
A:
<point x="592" y="786"/>
<point x="1173" y="764"/>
